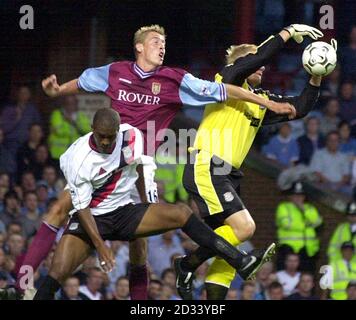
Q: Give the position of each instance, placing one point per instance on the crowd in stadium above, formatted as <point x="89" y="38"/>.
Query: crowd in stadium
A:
<point x="325" y="142"/>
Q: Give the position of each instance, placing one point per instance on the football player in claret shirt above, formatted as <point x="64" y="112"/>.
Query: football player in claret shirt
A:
<point x="144" y="92"/>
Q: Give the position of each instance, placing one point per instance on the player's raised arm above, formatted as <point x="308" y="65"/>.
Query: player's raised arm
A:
<point x="91" y="80"/>
<point x="245" y="59"/>
<point x="196" y="92"/>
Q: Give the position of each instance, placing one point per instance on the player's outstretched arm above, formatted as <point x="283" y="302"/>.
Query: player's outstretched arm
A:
<point x="51" y="87"/>
<point x="106" y="257"/>
<point x="284" y="108"/>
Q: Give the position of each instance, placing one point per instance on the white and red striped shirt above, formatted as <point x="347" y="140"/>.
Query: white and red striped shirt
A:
<point x="103" y="181"/>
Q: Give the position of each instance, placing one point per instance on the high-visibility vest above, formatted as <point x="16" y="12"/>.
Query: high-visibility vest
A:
<point x="63" y="134"/>
<point x="296" y="228"/>
<point x="171" y="173"/>
<point x="341" y="234"/>
<point x="342" y="277"/>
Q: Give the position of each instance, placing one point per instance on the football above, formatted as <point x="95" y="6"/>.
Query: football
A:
<point x="319" y="58"/>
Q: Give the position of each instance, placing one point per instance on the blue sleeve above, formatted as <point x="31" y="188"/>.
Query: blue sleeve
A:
<point x="196" y="92"/>
<point x="95" y="79"/>
<point x="269" y="150"/>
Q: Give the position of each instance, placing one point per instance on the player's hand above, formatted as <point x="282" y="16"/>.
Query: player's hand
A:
<point x="106" y="257"/>
<point x="50" y="86"/>
<point x="298" y="31"/>
<point x="282" y="108"/>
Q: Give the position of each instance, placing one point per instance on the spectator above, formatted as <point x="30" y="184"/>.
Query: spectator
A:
<point x="347" y="144"/>
<point x="122" y="290"/>
<point x="12" y="208"/>
<point x="348" y="56"/>
<point x="15" y="245"/>
<point x="17" y="118"/>
<point x="42" y="196"/>
<point x="296" y="222"/>
<point x="282" y="147"/>
<point x="41" y="160"/>
<point x="89" y="264"/>
<point x="232" y="294"/>
<point x="71" y="290"/>
<point x="167" y="293"/>
<point x="290" y="277"/>
<point x="67" y="124"/>
<point x="26" y="152"/>
<point x="2" y="259"/>
<point x="348" y="104"/>
<point x="95" y="281"/>
<point x="7" y="160"/>
<point x="28" y="182"/>
<point x="2" y="239"/>
<point x="31" y="218"/>
<point x="248" y="290"/>
<point x="331" y="167"/>
<point x="330" y="119"/>
<point x="344" y="232"/>
<point x="154" y="289"/>
<point x="3" y="280"/>
<point x="310" y="141"/>
<point x="351" y="290"/>
<point x="4" y="187"/>
<point x="304" y="288"/>
<point x="275" y="291"/>
<point x="264" y="278"/>
<point x="14" y="227"/>
<point x="330" y="85"/>
<point x="50" y="175"/>
<point x="160" y="250"/>
<point x="121" y="253"/>
<point x="344" y="271"/>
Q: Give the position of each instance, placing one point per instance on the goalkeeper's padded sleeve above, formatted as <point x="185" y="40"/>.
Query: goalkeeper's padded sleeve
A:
<point x="237" y="72"/>
<point x="303" y="104"/>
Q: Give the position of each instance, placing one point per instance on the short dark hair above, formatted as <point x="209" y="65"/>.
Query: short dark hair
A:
<point x="165" y="271"/>
<point x="275" y="285"/>
<point x="107" y="117"/>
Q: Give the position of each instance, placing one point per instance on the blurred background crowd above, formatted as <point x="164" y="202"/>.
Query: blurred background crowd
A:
<point x="322" y="146"/>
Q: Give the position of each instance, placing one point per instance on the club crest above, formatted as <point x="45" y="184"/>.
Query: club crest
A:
<point x="156" y="88"/>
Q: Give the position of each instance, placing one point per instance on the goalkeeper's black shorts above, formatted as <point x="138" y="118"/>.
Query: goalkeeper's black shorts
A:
<point x="215" y="187"/>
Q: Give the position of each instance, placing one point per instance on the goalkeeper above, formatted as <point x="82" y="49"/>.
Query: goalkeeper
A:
<point x="223" y="140"/>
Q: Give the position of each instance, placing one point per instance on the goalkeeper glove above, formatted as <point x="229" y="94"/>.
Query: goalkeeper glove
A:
<point x="297" y="31"/>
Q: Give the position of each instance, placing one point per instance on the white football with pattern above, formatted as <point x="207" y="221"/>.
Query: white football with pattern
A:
<point x="319" y="58"/>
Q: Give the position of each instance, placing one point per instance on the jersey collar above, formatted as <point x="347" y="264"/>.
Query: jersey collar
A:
<point x="142" y="74"/>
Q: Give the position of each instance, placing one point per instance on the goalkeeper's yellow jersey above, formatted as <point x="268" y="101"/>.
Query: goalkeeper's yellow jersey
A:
<point x="228" y="128"/>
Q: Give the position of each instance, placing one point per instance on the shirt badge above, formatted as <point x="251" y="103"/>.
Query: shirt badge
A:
<point x="156" y="88"/>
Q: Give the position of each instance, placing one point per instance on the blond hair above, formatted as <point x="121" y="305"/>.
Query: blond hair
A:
<point x="140" y="34"/>
<point x="235" y="52"/>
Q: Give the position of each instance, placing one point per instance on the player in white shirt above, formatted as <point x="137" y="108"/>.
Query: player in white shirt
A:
<point x="101" y="169"/>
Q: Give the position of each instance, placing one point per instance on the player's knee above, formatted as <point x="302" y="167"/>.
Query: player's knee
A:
<point x="58" y="272"/>
<point x="245" y="230"/>
<point x="182" y="213"/>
